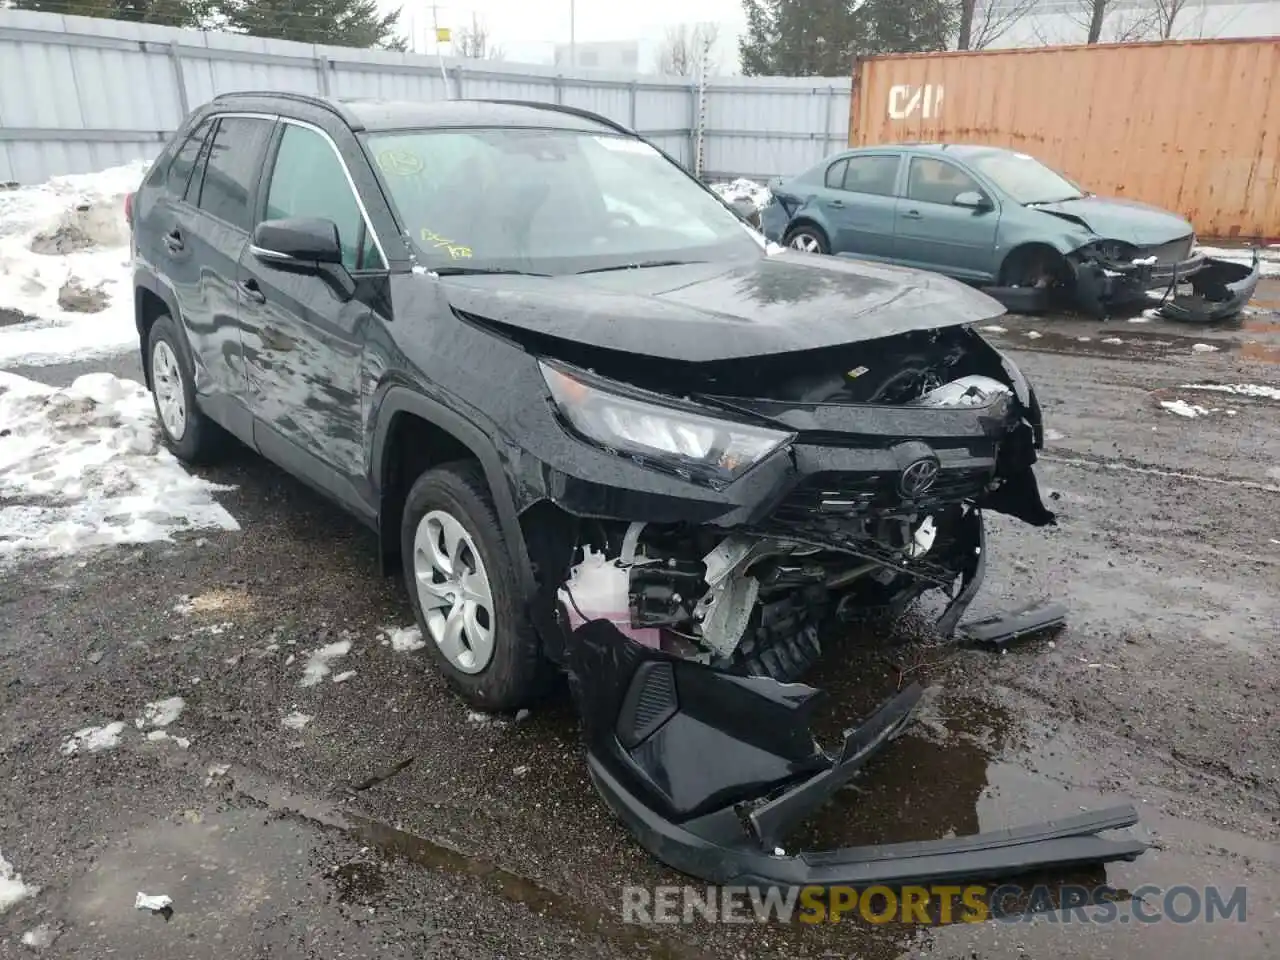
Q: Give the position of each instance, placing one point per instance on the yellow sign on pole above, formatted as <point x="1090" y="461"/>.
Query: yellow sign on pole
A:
<point x="442" y="34"/>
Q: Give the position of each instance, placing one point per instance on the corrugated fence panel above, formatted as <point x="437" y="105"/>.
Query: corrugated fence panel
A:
<point x="1191" y="126"/>
<point x="78" y="94"/>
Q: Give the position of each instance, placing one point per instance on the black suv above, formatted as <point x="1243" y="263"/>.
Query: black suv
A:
<point x="599" y="422"/>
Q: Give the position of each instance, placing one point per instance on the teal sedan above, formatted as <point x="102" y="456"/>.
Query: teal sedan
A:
<point x="1003" y="221"/>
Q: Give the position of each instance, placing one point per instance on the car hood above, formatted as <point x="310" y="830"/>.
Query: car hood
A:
<point x="781" y="303"/>
<point x="1126" y="220"/>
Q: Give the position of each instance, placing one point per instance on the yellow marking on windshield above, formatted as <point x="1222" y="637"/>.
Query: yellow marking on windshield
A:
<point x="400" y="163"/>
<point x="456" y="250"/>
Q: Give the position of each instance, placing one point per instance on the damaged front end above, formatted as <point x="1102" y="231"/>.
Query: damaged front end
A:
<point x="845" y="483"/>
<point x="1194" y="287"/>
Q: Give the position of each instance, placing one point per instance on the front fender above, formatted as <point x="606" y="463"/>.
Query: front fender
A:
<point x="399" y="399"/>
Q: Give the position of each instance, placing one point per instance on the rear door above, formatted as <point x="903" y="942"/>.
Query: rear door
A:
<point x="932" y="232"/>
<point x="303" y="337"/>
<point x="206" y="240"/>
<point x="859" y="202"/>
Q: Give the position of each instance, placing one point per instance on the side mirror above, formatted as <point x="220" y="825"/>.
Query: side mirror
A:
<point x="972" y="199"/>
<point x="298" y="242"/>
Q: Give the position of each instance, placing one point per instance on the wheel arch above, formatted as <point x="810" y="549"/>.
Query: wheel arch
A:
<point x="1028" y="248"/>
<point x="152" y="299"/>
<point x="416" y="431"/>
<point x="807" y="220"/>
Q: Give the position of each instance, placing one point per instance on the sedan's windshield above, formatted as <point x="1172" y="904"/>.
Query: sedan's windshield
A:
<point x="1025" y="178"/>
<point x="550" y="202"/>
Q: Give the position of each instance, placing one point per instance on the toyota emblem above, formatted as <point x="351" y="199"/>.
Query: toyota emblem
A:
<point x="918" y="478"/>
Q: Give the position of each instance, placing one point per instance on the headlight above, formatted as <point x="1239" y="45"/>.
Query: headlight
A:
<point x="689" y="444"/>
<point x="1115" y="250"/>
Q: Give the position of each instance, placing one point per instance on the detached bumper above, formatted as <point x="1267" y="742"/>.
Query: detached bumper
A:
<point x="1100" y="285"/>
<point x="1220" y="290"/>
<point x="712" y="771"/>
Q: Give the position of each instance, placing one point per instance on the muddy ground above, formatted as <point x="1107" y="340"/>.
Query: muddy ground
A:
<point x="396" y="823"/>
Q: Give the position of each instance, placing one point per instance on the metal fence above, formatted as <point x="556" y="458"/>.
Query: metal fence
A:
<point x="80" y="94"/>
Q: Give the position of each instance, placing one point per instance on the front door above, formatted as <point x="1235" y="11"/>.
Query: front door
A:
<point x="931" y="231"/>
<point x="303" y="335"/>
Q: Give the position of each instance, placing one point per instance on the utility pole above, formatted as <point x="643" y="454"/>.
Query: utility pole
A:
<point x="444" y="74"/>
<point x="699" y="151"/>
<point x="573" y="45"/>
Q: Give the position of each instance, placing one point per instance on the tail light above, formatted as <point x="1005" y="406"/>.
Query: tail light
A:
<point x="128" y="209"/>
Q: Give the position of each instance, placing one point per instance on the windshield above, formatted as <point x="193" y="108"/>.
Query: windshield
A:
<point x="1025" y="178"/>
<point x="550" y="202"/>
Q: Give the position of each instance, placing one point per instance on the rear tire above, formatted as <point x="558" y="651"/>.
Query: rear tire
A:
<point x="462" y="583"/>
<point x="807" y="239"/>
<point x="190" y="435"/>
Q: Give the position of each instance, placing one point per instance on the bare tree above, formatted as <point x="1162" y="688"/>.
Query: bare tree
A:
<point x="983" y="22"/>
<point x="1123" y="23"/>
<point x="1166" y="14"/>
<point x="474" y="41"/>
<point x="683" y="48"/>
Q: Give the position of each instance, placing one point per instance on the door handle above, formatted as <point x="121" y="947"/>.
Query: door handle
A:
<point x="838" y="204"/>
<point x="173" y="240"/>
<point x="913" y="215"/>
<point x="251" y="290"/>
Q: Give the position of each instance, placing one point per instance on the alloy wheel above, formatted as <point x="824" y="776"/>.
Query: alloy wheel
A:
<point x="454" y="591"/>
<point x="171" y="399"/>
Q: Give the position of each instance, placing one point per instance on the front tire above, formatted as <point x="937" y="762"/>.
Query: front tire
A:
<point x="187" y="432"/>
<point x="807" y="239"/>
<point x="463" y="586"/>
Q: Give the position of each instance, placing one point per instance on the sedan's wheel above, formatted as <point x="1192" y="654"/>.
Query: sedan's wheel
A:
<point x="454" y="592"/>
<point x="186" y="431"/>
<point x="807" y="239"/>
<point x="463" y="585"/>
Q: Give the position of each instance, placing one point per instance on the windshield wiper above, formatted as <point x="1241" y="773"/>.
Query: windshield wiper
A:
<point x="642" y="265"/>
<point x="452" y="271"/>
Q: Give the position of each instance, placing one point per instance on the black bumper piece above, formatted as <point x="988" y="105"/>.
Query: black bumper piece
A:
<point x="1219" y="291"/>
<point x="712" y="771"/>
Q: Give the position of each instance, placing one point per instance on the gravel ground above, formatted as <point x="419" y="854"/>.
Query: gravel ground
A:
<point x="395" y="822"/>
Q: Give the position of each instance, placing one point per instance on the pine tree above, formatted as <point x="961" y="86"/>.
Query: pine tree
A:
<point x="168" y="13"/>
<point x="343" y="23"/>
<point x="807" y="38"/>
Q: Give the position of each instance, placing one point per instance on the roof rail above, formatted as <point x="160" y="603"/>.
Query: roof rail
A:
<point x="562" y="108"/>
<point x="324" y="103"/>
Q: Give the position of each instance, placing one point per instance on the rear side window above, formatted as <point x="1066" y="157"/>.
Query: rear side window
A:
<point x="184" y="161"/>
<point x="835" y="174"/>
<point x="308" y="181"/>
<point x="234" y="160"/>
<point x="875" y="175"/>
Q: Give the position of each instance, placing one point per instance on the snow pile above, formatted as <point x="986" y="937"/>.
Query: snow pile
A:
<point x="1254" y="390"/>
<point x="403" y="639"/>
<point x="160" y="713"/>
<point x="82" y="466"/>
<point x="741" y="190"/>
<point x="1269" y="257"/>
<point x="64" y="250"/>
<point x="318" y="662"/>
<point x="93" y="739"/>
<point x="12" y="889"/>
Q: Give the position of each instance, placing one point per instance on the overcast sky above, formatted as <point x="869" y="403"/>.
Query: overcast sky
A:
<point x="527" y="29"/>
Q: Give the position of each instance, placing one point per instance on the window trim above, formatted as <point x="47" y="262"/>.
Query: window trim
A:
<point x="351" y="183"/>
<point x="878" y="155"/>
<point x="912" y="158"/>
<point x="826" y="175"/>
<point x="264" y="178"/>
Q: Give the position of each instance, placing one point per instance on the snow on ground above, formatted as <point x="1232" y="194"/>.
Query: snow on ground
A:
<point x="160" y="713"/>
<point x="1239" y="389"/>
<point x="1270" y="257"/>
<point x="1184" y="409"/>
<point x="12" y="889"/>
<point x="93" y="739"/>
<point x="403" y="639"/>
<point x="72" y="228"/>
<point x="755" y="193"/>
<point x="318" y="662"/>
<point x="83" y="466"/>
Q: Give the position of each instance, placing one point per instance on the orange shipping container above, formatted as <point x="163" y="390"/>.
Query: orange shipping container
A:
<point x="1191" y="126"/>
